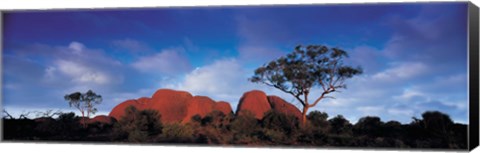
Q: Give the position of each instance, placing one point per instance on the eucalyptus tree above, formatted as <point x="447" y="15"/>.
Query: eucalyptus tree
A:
<point x="307" y="67"/>
<point x="84" y="102"/>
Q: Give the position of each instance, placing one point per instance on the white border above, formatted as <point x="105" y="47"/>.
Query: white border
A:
<point x="6" y="5"/>
<point x="63" y="4"/>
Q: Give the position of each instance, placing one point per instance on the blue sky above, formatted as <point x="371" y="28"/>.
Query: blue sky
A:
<point x="414" y="55"/>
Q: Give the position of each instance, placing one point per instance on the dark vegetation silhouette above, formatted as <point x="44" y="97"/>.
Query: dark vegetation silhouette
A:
<point x="307" y="67"/>
<point x="138" y="126"/>
<point x="433" y="130"/>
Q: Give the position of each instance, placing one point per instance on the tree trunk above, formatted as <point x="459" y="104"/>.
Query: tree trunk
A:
<point x="83" y="120"/>
<point x="304" y="115"/>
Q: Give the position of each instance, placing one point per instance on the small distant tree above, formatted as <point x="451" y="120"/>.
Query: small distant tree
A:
<point x="85" y="103"/>
<point x="306" y="67"/>
<point x="91" y="99"/>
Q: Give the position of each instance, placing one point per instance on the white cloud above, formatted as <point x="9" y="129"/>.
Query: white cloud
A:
<point x="401" y="112"/>
<point x="169" y="61"/>
<point x="58" y="70"/>
<point x="80" y="73"/>
<point x="79" y="65"/>
<point x="76" y="47"/>
<point x="222" y="80"/>
<point x="402" y="71"/>
<point x="411" y="95"/>
<point x="225" y="79"/>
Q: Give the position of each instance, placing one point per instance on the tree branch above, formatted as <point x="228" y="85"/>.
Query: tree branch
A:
<point x="297" y="96"/>
<point x="333" y="71"/>
<point x="323" y="85"/>
<point x="329" y="97"/>
<point x="300" y="100"/>
<point x="24" y="115"/>
<point x="321" y="97"/>
<point x="8" y="115"/>
<point x="336" y="80"/>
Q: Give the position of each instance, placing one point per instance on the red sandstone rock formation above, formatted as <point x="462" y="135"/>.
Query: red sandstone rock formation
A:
<point x="278" y="104"/>
<point x="223" y="107"/>
<point x="174" y="106"/>
<point x="181" y="106"/>
<point x="254" y="101"/>
<point x="171" y="104"/>
<point x="119" y="111"/>
<point x="200" y="105"/>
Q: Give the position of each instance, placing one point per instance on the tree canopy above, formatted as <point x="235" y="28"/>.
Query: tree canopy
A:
<point x="306" y="67"/>
<point x="84" y="102"/>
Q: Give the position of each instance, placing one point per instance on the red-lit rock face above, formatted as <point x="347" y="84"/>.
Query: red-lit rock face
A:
<point x="174" y="106"/>
<point x="171" y="104"/>
<point x="143" y="100"/>
<point x="200" y="105"/>
<point x="280" y="105"/>
<point x="119" y="111"/>
<point x="180" y="106"/>
<point x="254" y="101"/>
<point x="223" y="107"/>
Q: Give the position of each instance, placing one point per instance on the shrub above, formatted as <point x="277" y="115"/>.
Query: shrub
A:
<point x="18" y="129"/>
<point x="370" y="126"/>
<point x="216" y="119"/>
<point x="213" y="128"/>
<point x="68" y="124"/>
<point x="176" y="133"/>
<point x="138" y="126"/>
<point x="436" y="130"/>
<point x="244" y="124"/>
<point x="312" y="135"/>
<point x="340" y="126"/>
<point x="279" y="127"/>
<point x="341" y="140"/>
<point x="319" y="120"/>
<point x="245" y="128"/>
<point x="278" y="121"/>
<point x="46" y="127"/>
<point x="394" y="129"/>
<point x="437" y="123"/>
